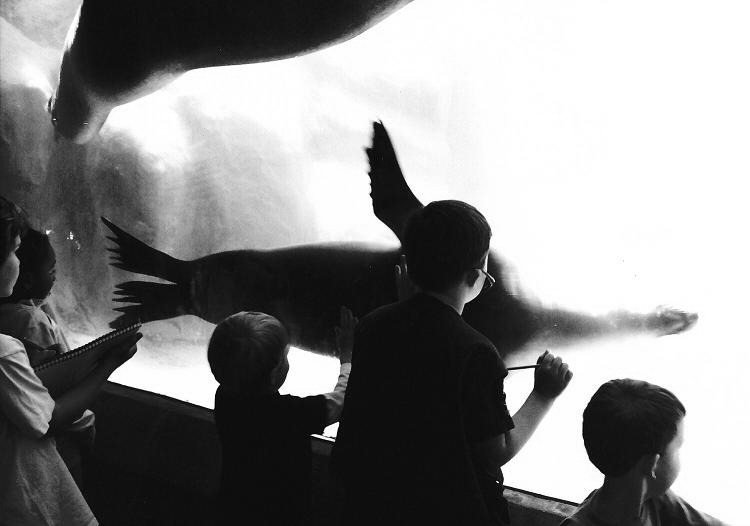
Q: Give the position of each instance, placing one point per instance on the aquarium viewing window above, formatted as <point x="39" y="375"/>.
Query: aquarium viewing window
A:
<point x="606" y="144"/>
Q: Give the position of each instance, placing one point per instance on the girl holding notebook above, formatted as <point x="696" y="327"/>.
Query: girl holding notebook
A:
<point x="35" y="485"/>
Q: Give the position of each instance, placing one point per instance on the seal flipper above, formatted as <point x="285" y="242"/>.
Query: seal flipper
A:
<point x="134" y="255"/>
<point x="150" y="302"/>
<point x="392" y="199"/>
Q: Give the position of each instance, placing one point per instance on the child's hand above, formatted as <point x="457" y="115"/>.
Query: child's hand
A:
<point x="38" y="355"/>
<point x="345" y="335"/>
<point x="122" y="353"/>
<point x="552" y="376"/>
<point x="404" y="286"/>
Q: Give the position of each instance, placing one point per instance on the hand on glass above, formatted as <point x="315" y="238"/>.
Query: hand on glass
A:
<point x="345" y="334"/>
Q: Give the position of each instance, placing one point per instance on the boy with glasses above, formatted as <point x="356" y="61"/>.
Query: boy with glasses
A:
<point x="425" y="429"/>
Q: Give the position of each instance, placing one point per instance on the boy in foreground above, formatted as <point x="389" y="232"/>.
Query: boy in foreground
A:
<point x="425" y="429"/>
<point x="633" y="432"/>
<point x="266" y="471"/>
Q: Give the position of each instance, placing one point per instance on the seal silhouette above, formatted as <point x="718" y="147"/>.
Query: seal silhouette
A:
<point x="117" y="51"/>
<point x="304" y="286"/>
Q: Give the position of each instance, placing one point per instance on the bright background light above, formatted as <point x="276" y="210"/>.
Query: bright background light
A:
<point x="605" y="141"/>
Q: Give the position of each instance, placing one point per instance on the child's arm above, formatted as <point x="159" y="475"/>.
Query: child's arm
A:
<point x="550" y="380"/>
<point x="24" y="401"/>
<point x="345" y="341"/>
<point x="72" y="403"/>
<point x="38" y="355"/>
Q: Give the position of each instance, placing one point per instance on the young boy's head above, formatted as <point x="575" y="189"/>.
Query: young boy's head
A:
<point x="443" y="241"/>
<point x="37" y="267"/>
<point x="633" y="429"/>
<point x="248" y="353"/>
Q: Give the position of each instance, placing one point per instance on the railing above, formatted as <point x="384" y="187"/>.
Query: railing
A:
<point x="157" y="460"/>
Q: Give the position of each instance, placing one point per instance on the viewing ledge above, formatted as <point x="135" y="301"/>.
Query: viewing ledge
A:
<point x="157" y="461"/>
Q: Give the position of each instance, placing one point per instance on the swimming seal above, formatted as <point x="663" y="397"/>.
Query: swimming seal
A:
<point x="304" y="286"/>
<point x="117" y="51"/>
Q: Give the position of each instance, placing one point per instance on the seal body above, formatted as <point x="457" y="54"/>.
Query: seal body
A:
<point x="120" y="50"/>
<point x="304" y="286"/>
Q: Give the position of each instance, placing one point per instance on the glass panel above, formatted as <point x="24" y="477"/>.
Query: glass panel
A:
<point x="606" y="144"/>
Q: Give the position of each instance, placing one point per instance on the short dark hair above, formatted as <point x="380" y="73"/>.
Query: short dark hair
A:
<point x="627" y="419"/>
<point x="13" y="223"/>
<point x="244" y="349"/>
<point x="34" y="250"/>
<point x="442" y="241"/>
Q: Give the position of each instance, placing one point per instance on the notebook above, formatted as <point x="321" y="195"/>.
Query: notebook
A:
<point x="61" y="373"/>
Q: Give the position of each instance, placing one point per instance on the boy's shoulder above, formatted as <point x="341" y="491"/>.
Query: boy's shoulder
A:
<point x="666" y="509"/>
<point x="423" y="319"/>
<point x="421" y="309"/>
<point x="583" y="515"/>
<point x="389" y="310"/>
<point x="673" y="509"/>
<point x="303" y="412"/>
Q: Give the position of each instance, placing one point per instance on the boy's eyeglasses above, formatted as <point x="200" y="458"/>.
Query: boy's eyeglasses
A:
<point x="488" y="280"/>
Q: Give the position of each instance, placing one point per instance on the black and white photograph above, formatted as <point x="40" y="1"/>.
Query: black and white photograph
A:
<point x="367" y="262"/>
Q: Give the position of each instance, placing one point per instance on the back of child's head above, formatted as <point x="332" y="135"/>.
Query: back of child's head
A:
<point x="35" y="249"/>
<point x="442" y="241"/>
<point x="627" y="419"/>
<point x="12" y="223"/>
<point x="244" y="349"/>
<point x="34" y="255"/>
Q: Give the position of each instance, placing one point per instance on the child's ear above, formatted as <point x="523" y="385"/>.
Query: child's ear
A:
<point x="472" y="276"/>
<point x="653" y="464"/>
<point x="646" y="466"/>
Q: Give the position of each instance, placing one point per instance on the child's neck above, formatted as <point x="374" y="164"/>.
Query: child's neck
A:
<point x="18" y="298"/>
<point x="455" y="297"/>
<point x="450" y="297"/>
<point x="620" y="500"/>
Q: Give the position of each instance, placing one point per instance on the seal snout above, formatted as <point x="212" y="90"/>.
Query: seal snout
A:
<point x="74" y="111"/>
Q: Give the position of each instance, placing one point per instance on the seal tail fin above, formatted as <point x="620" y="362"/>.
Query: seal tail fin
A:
<point x="149" y="302"/>
<point x="392" y="199"/>
<point x="133" y="255"/>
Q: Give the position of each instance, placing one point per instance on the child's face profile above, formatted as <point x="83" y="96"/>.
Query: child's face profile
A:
<point x="9" y="270"/>
<point x="668" y="468"/>
<point x="278" y="375"/>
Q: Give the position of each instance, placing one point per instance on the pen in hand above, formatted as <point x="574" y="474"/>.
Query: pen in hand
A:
<point x="523" y="367"/>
